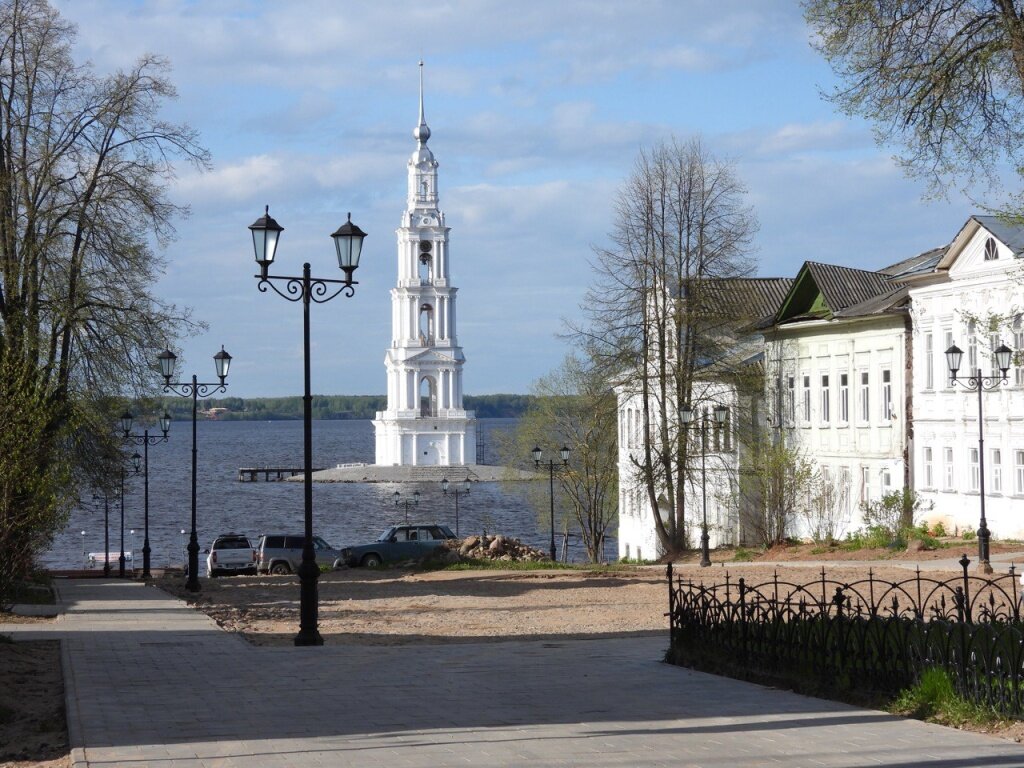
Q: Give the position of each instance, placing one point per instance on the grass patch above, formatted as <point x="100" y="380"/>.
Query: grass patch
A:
<point x="36" y="591"/>
<point x="742" y="555"/>
<point x="933" y="698"/>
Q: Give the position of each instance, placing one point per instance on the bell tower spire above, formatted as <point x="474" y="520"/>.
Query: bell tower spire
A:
<point x="425" y="422"/>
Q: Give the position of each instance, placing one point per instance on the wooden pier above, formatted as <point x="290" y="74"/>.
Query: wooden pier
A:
<point x="270" y="474"/>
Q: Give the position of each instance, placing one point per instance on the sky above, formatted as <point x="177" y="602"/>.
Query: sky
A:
<point x="537" y="112"/>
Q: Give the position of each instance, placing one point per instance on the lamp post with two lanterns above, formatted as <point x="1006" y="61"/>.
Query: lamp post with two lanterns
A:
<point x="398" y="501"/>
<point x="464" y="490"/>
<point x="348" y="243"/>
<point x="979" y="383"/>
<point x="145" y="440"/>
<point x="194" y="389"/>
<point x="564" y="453"/>
<point x="720" y="414"/>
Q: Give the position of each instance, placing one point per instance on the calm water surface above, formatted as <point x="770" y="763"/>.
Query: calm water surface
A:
<point x="343" y="513"/>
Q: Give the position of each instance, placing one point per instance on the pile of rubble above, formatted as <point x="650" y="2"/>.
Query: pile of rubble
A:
<point x="491" y="548"/>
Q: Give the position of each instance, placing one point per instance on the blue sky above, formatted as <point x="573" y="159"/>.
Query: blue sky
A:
<point x="537" y="111"/>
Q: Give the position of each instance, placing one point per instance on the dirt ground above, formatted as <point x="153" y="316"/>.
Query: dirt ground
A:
<point x="394" y="606"/>
<point x="33" y="729"/>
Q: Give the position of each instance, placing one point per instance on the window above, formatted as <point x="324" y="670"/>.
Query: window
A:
<point x="996" y="460"/>
<point x="929" y="469"/>
<point x="947" y="469"/>
<point x="945" y="367"/>
<point x="929" y="361"/>
<point x="865" y="401"/>
<point x="807" y="397"/>
<point x="991" y="251"/>
<point x="1018" y="345"/>
<point x="1019" y="471"/>
<point x="972" y="461"/>
<point x="886" y="395"/>
<point x="844" y="397"/>
<point x="791" y="398"/>
<point x="886" y="477"/>
<point x="727" y="432"/>
<point x="993" y="345"/>
<point x="825" y="415"/>
<point x="844" y="488"/>
<point x="865" y="485"/>
<point x="972" y="346"/>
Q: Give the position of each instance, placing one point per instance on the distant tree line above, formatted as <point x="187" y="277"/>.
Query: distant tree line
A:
<point x="334" y="407"/>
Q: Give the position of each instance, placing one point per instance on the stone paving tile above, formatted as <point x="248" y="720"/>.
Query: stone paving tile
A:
<point x="189" y="694"/>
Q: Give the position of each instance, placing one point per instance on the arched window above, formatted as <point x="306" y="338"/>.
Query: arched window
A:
<point x="426" y="324"/>
<point x="426" y="272"/>
<point x="428" y="397"/>
<point x="991" y="250"/>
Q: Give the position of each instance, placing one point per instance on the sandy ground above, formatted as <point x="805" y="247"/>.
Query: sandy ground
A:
<point x="394" y="606"/>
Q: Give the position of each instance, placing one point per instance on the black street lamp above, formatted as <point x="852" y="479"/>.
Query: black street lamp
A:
<point x="348" y="244"/>
<point x="721" y="413"/>
<point x="457" y="491"/>
<point x="194" y="389"/>
<point x="120" y="560"/>
<point x="106" y="531"/>
<point x="564" y="453"/>
<point x="144" y="440"/>
<point x="978" y="383"/>
<point x="398" y="501"/>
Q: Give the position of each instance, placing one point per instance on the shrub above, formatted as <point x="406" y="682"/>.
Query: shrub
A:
<point x="939" y="530"/>
<point x="742" y="555"/>
<point x="968" y="535"/>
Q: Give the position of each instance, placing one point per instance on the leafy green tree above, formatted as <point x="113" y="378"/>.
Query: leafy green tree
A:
<point x="573" y="406"/>
<point x="84" y="164"/>
<point x="945" y="80"/>
<point x="775" y="485"/>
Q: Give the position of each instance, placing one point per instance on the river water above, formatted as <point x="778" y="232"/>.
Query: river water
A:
<point x="343" y="513"/>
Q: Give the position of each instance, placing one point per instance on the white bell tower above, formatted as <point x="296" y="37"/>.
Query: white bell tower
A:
<point x="425" y="423"/>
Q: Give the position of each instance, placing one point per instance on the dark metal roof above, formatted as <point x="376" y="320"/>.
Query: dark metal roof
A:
<point x="1009" y="233"/>
<point x="748" y="300"/>
<point x="889" y="302"/>
<point x="843" y="287"/>
<point x="915" y="265"/>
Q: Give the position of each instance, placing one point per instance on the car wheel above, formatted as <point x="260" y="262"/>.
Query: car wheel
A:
<point x="280" y="569"/>
<point x="371" y="561"/>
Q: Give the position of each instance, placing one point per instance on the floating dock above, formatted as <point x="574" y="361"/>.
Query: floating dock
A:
<point x="377" y="473"/>
<point x="252" y="474"/>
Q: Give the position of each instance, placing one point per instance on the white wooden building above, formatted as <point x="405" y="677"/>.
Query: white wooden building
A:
<point x="974" y="298"/>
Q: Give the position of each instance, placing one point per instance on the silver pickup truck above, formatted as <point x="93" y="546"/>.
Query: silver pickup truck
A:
<point x="231" y="553"/>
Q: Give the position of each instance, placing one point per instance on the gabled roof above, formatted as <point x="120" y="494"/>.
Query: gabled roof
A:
<point x="892" y="300"/>
<point x="923" y="263"/>
<point x="823" y="290"/>
<point x="1009" y="233"/>
<point x="751" y="299"/>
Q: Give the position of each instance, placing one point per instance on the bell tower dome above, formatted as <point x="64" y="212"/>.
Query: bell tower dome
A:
<point x="425" y="422"/>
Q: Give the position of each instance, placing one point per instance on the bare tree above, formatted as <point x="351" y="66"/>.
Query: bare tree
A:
<point x="84" y="162"/>
<point x="827" y="513"/>
<point x="944" y="79"/>
<point x="656" y="321"/>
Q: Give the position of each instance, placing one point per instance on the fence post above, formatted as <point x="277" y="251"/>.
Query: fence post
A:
<point x="743" y="617"/>
<point x="964" y="563"/>
<point x="671" y="604"/>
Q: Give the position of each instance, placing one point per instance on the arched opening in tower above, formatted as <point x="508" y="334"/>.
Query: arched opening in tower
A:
<point x="428" y="396"/>
<point x="426" y="324"/>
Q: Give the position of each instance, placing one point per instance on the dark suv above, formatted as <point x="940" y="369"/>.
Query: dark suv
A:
<point x="280" y="553"/>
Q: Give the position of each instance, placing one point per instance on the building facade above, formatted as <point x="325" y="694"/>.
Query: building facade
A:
<point x="425" y="423"/>
<point x="974" y="298"/>
<point x="856" y="375"/>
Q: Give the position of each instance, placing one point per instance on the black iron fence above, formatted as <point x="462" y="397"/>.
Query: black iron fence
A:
<point x="869" y="636"/>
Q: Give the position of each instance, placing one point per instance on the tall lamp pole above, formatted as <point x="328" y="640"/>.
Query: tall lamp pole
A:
<point x="348" y="243"/>
<point x="145" y="441"/>
<point x="564" y="453"/>
<point x="106" y="534"/>
<point x="457" y="491"/>
<point x="978" y="383"/>
<point x="398" y="501"/>
<point x="120" y="560"/>
<point x="687" y="414"/>
<point x="194" y="389"/>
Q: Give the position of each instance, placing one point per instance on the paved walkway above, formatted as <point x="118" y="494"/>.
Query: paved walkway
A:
<point x="151" y="682"/>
